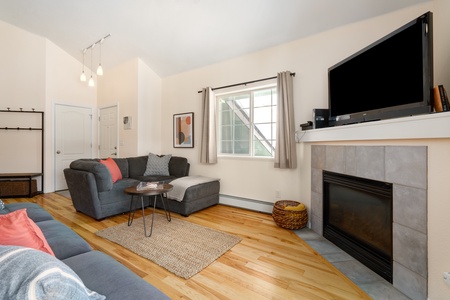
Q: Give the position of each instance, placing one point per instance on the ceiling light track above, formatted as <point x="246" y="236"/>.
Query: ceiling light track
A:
<point x="97" y="42"/>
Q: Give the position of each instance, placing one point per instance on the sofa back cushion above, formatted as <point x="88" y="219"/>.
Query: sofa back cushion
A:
<point x="122" y="163"/>
<point x="137" y="165"/>
<point x="179" y="166"/>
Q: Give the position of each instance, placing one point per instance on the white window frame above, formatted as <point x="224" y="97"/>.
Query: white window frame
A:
<point x="250" y="91"/>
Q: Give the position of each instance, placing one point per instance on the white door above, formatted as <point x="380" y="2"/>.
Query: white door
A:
<point x="73" y="139"/>
<point x="108" y="132"/>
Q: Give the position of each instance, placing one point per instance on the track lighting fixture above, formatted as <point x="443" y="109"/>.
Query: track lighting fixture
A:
<point x="100" y="68"/>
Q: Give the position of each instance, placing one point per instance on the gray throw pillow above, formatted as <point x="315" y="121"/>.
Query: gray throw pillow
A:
<point x="27" y="273"/>
<point x="158" y="165"/>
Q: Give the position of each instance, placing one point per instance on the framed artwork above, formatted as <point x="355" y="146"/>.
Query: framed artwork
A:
<point x="183" y="130"/>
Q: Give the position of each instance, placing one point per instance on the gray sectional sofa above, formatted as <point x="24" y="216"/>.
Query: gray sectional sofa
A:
<point x="98" y="271"/>
<point x="94" y="194"/>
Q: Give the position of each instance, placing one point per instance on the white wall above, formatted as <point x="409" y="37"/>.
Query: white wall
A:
<point x="136" y="90"/>
<point x="149" y="111"/>
<point x="35" y="74"/>
<point x="119" y="86"/>
<point x="309" y="58"/>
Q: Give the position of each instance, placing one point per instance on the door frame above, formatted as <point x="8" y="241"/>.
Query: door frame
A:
<point x="55" y="104"/>
<point x="99" y="129"/>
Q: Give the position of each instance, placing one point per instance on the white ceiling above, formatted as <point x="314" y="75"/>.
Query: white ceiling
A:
<point x="172" y="36"/>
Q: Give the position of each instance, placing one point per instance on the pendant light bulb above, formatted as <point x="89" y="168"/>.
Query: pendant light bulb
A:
<point x="91" y="80"/>
<point x="83" y="75"/>
<point x="100" y="69"/>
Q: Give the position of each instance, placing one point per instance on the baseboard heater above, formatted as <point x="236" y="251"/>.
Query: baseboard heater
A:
<point x="251" y="204"/>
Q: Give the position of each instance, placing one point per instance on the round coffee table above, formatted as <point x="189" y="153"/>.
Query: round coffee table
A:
<point x="159" y="191"/>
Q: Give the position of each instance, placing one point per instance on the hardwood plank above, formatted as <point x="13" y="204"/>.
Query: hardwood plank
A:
<point x="269" y="263"/>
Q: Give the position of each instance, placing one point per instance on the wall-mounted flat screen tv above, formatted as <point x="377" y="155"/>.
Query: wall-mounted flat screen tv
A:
<point x="390" y="78"/>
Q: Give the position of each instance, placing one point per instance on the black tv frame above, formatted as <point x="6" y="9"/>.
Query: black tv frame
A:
<point x="387" y="112"/>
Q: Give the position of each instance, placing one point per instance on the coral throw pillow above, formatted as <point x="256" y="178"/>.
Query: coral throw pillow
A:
<point x="113" y="168"/>
<point x="17" y="229"/>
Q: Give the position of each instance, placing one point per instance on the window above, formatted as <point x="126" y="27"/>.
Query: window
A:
<point x="247" y="122"/>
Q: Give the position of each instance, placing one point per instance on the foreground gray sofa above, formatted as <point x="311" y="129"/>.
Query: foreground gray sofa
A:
<point x="94" y="194"/>
<point x="98" y="271"/>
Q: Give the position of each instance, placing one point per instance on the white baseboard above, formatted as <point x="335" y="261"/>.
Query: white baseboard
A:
<point x="251" y="204"/>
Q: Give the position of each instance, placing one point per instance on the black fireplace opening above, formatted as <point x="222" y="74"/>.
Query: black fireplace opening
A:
<point x="357" y="217"/>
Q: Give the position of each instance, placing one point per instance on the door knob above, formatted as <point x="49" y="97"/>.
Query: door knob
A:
<point x="58" y="152"/>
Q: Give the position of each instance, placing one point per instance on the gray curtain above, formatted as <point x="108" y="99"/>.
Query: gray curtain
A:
<point x="208" y="151"/>
<point x="285" y="150"/>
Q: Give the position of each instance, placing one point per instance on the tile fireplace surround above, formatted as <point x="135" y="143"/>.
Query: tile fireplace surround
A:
<point x="406" y="168"/>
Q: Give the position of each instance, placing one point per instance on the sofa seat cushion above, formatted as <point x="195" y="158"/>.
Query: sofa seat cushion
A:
<point x="34" y="211"/>
<point x="63" y="241"/>
<point x="33" y="274"/>
<point x="108" y="277"/>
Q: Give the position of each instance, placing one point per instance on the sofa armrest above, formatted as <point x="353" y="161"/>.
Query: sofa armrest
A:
<point x="83" y="192"/>
<point x="101" y="173"/>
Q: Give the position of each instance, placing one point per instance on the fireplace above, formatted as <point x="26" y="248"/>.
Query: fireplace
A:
<point x="406" y="168"/>
<point x="358" y="218"/>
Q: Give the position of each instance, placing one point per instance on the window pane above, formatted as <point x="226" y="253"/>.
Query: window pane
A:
<point x="226" y="132"/>
<point x="264" y="131"/>
<point x="263" y="98"/>
<point x="241" y="132"/>
<point x="226" y="117"/>
<point x="225" y="104"/>
<point x="241" y="147"/>
<point x="261" y="148"/>
<point x="262" y="114"/>
<point x="226" y="147"/>
<point x="241" y="117"/>
<point x="242" y="101"/>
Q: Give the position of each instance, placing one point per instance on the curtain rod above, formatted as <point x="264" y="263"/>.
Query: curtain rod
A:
<point x="244" y="83"/>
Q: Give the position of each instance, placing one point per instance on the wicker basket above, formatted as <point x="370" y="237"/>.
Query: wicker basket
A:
<point x="289" y="219"/>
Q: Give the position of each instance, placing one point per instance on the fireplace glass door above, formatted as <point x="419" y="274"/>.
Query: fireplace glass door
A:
<point x="358" y="219"/>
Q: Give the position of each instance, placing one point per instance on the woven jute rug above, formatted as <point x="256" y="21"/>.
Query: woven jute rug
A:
<point x="181" y="247"/>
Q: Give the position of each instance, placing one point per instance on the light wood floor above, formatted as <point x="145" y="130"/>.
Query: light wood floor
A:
<point x="269" y="262"/>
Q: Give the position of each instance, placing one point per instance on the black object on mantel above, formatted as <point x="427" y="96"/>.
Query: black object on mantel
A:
<point x="306" y="126"/>
<point x="320" y="117"/>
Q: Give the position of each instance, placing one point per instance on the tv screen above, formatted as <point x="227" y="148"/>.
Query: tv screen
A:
<point x="390" y="78"/>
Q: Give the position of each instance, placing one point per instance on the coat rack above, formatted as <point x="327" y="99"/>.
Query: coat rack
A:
<point x="27" y="176"/>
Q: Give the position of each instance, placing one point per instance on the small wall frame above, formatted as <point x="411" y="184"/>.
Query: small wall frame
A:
<point x="183" y="130"/>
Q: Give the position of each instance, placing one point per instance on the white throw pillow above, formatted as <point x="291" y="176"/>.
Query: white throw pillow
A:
<point x="158" y="165"/>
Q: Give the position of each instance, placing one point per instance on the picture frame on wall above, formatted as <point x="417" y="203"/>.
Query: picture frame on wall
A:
<point x="183" y="130"/>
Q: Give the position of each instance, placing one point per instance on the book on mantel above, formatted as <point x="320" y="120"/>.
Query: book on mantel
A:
<point x="441" y="102"/>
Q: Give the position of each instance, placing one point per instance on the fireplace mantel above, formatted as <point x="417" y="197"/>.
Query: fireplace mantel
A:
<point x="430" y="126"/>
